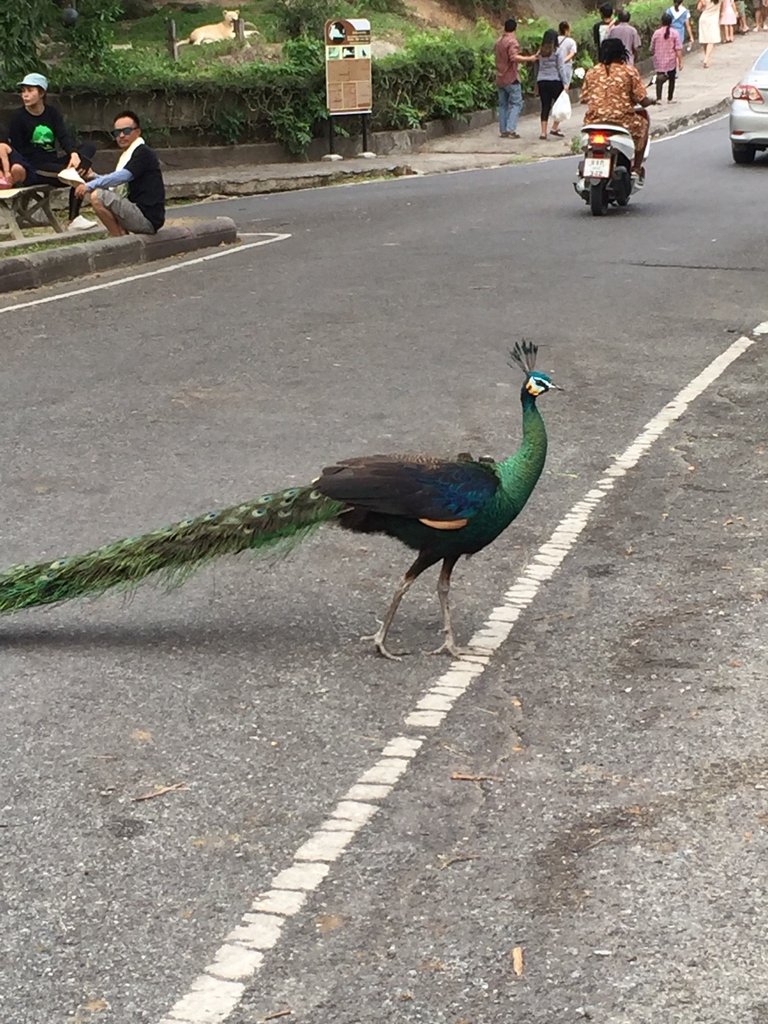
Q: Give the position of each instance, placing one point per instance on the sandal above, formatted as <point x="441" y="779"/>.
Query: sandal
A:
<point x="559" y="134"/>
<point x="543" y="137"/>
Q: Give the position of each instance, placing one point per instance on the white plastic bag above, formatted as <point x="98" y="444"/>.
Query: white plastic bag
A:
<point x="561" y="109"/>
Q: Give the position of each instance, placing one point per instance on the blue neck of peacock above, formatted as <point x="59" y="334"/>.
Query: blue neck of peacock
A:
<point x="525" y="466"/>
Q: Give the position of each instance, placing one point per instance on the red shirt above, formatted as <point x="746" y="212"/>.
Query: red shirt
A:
<point x="506" y="50"/>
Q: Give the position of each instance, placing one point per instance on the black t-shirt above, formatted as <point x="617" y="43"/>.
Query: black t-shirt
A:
<point x="35" y="135"/>
<point x="147" y="190"/>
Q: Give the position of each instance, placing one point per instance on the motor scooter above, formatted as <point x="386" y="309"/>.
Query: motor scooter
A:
<point x="605" y="173"/>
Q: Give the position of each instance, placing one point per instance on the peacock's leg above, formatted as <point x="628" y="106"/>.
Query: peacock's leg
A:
<point x="449" y="645"/>
<point x="379" y="637"/>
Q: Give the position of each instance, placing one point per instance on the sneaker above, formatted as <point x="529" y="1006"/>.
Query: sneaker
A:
<point x="81" y="223"/>
<point x="512" y="135"/>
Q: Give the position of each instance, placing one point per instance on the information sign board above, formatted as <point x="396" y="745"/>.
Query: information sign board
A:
<point x="348" y="85"/>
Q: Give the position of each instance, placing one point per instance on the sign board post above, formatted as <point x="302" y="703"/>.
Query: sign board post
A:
<point x="348" y="81"/>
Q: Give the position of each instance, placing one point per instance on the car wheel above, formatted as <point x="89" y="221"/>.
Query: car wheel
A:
<point x="743" y="154"/>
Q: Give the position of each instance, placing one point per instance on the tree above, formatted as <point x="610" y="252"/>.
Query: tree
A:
<point x="22" y="25"/>
<point x="91" y="36"/>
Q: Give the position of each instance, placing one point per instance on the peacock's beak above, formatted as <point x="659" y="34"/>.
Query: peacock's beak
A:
<point x="555" y="387"/>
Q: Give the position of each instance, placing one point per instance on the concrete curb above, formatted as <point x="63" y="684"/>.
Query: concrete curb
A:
<point x="689" y="119"/>
<point x="334" y="175"/>
<point x="40" y="268"/>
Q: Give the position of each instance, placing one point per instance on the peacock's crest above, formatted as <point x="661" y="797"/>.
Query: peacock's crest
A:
<point x="523" y="355"/>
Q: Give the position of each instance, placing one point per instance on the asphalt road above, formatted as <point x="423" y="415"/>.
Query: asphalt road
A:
<point x="619" y="838"/>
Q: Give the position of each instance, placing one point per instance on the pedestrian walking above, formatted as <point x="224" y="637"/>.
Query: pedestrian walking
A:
<point x="567" y="48"/>
<point x="742" y="25"/>
<point x="550" y="76"/>
<point x="667" y="54"/>
<point x="681" y="21"/>
<point x="728" y="18"/>
<point x="627" y="33"/>
<point x="709" y="27"/>
<point x="600" y="28"/>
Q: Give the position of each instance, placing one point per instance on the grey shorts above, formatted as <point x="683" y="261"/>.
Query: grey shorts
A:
<point x="126" y="213"/>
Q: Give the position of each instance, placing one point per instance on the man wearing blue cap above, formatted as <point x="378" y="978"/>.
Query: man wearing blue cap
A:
<point x="36" y="132"/>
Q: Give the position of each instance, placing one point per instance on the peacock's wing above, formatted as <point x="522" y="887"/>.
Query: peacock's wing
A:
<point x="414" y="486"/>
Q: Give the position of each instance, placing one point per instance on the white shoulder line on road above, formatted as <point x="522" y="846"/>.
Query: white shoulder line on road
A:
<point x="267" y="239"/>
<point x="687" y="131"/>
<point x="215" y="993"/>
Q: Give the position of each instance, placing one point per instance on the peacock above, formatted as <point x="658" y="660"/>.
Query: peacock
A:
<point x="440" y="508"/>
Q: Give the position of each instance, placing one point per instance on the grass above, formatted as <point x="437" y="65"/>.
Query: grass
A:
<point x="60" y="242"/>
<point x="150" y="33"/>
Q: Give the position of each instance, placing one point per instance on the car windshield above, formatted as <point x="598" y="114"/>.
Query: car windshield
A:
<point x="761" y="64"/>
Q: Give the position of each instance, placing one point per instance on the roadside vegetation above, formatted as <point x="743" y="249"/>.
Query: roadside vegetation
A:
<point x="273" y="87"/>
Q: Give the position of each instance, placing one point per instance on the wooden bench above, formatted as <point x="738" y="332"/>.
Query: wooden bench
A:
<point x="24" y="208"/>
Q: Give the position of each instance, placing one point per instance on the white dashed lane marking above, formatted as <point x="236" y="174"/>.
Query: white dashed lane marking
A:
<point x="215" y="993"/>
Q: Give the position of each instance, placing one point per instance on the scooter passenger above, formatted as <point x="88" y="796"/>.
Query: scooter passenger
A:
<point x="612" y="89"/>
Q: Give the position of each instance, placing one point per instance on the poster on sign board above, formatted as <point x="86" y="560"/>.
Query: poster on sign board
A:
<point x="348" y="82"/>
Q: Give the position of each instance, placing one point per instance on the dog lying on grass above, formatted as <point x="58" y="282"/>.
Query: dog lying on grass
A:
<point x="213" y="33"/>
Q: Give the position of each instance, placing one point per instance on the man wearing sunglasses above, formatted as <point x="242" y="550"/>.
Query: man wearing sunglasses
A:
<point x="141" y="211"/>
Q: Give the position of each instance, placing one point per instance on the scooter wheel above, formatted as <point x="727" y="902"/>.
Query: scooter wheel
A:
<point x="598" y="201"/>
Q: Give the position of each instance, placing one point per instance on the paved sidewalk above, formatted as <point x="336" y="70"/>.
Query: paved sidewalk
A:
<point x="701" y="92"/>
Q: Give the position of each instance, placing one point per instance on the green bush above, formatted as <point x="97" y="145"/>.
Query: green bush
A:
<point x="436" y="75"/>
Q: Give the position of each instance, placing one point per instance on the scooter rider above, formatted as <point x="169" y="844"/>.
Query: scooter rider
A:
<point x="612" y="89"/>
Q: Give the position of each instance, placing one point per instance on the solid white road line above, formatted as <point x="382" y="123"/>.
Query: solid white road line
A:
<point x="267" y="239"/>
<point x="215" y="993"/>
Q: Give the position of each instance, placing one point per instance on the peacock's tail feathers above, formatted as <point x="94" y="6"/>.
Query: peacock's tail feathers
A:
<point x="524" y="356"/>
<point x="273" y="522"/>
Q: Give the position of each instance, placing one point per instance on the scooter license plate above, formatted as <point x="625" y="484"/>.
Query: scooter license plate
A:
<point x="594" y="168"/>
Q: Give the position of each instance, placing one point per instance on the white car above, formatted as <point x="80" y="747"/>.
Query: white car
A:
<point x="749" y="112"/>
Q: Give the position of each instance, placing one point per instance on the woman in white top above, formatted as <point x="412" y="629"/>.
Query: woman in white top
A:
<point x="709" y="27"/>
<point x="566" y="47"/>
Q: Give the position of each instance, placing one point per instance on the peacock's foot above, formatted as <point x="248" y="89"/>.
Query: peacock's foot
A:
<point x="451" y="648"/>
<point x="378" y="641"/>
<point x="388" y="654"/>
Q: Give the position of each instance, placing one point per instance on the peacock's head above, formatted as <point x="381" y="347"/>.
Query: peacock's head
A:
<point x="523" y="355"/>
<point x="537" y="383"/>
